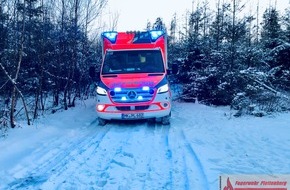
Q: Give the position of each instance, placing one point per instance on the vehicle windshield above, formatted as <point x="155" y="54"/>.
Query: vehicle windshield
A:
<point x="134" y="61"/>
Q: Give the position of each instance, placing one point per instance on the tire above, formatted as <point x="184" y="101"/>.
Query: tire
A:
<point x="165" y="120"/>
<point x="102" y="122"/>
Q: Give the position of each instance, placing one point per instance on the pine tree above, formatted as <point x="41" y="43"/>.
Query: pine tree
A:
<point x="271" y="28"/>
<point x="159" y="25"/>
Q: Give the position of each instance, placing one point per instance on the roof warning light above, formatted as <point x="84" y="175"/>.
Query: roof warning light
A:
<point x="155" y="34"/>
<point x="111" y="36"/>
<point x="139" y="37"/>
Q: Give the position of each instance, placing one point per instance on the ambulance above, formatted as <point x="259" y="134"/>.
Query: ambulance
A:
<point x="133" y="81"/>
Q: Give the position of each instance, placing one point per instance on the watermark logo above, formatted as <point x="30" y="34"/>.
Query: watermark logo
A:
<point x="229" y="185"/>
<point x="254" y="182"/>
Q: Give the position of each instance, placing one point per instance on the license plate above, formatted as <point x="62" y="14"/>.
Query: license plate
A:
<point x="132" y="115"/>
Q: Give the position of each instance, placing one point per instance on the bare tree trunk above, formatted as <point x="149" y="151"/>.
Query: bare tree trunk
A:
<point x="233" y="42"/>
<point x="62" y="49"/>
<point x="218" y="26"/>
<point x="14" y="80"/>
<point x="38" y="96"/>
<point x="258" y="24"/>
<point x="12" y="108"/>
<point x="13" y="102"/>
<point x="72" y="67"/>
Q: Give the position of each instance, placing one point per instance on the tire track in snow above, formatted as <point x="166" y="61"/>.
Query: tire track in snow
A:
<point x="201" y="179"/>
<point x="188" y="172"/>
<point x="147" y="170"/>
<point x="113" y="166"/>
<point x="187" y="164"/>
<point x="160" y="161"/>
<point x="54" y="164"/>
<point x="98" y="169"/>
<point x="118" y="168"/>
<point x="132" y="160"/>
<point x="78" y="162"/>
<point x="169" y="156"/>
<point x="180" y="179"/>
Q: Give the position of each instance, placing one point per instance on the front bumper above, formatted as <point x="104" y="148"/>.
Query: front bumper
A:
<point x="159" y="107"/>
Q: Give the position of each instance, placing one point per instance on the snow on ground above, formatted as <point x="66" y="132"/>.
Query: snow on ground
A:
<point x="68" y="150"/>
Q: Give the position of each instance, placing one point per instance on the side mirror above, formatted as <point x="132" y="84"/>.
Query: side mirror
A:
<point x="174" y="68"/>
<point x="92" y="72"/>
<point x="95" y="75"/>
<point x="98" y="78"/>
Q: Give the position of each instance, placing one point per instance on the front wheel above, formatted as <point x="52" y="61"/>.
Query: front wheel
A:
<point x="102" y="122"/>
<point x="165" y="120"/>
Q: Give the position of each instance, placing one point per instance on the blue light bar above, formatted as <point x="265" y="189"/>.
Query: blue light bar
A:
<point x="111" y="36"/>
<point x="155" y="34"/>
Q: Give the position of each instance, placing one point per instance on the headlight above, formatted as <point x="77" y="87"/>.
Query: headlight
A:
<point x="101" y="91"/>
<point x="163" y="89"/>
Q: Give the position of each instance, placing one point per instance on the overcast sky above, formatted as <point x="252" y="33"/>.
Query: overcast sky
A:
<point x="134" y="14"/>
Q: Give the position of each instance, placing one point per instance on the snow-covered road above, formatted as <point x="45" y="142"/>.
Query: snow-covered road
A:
<point x="68" y="150"/>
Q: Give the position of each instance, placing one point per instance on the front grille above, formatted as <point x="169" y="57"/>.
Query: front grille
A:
<point x="129" y="108"/>
<point x="131" y="95"/>
<point x="141" y="107"/>
<point x="123" y="108"/>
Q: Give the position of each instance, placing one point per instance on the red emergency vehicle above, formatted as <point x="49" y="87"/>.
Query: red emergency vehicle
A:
<point x="133" y="77"/>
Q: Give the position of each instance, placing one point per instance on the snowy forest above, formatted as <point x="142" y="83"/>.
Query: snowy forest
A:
<point x="224" y="57"/>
